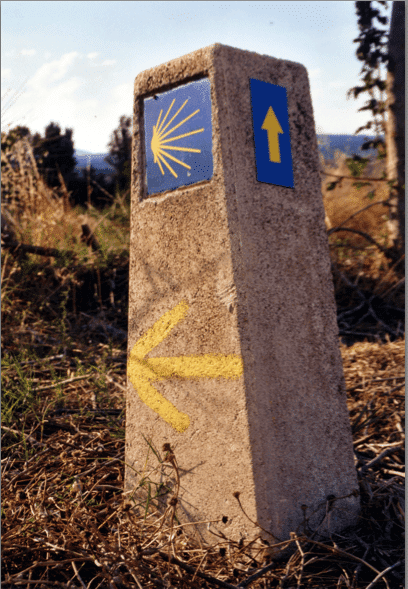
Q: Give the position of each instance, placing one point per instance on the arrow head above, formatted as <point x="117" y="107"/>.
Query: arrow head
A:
<point x="271" y="122"/>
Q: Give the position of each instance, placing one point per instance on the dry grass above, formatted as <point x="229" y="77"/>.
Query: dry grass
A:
<point x="66" y="520"/>
<point x="346" y="199"/>
<point x="360" y="209"/>
<point x="369" y="286"/>
<point x="37" y="215"/>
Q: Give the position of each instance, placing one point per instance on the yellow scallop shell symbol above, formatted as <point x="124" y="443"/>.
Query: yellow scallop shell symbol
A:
<point x="159" y="143"/>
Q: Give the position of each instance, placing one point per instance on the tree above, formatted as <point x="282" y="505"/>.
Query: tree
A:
<point x="15" y="134"/>
<point x="395" y="128"/>
<point x="90" y="187"/>
<point x="379" y="48"/>
<point x="120" y="152"/>
<point x="15" y="150"/>
<point x="372" y="51"/>
<point x="56" y="152"/>
<point x="8" y="140"/>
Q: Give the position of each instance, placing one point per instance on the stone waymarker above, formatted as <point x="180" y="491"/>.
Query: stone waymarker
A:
<point x="233" y="343"/>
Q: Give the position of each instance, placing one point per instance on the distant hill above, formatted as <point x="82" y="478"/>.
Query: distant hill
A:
<point x="82" y="152"/>
<point x="328" y="144"/>
<point x="96" y="160"/>
<point x="348" y="144"/>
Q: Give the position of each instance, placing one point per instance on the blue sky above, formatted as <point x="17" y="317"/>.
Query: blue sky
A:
<point x="74" y="63"/>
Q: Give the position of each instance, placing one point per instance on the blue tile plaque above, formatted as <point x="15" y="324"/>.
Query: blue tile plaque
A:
<point x="178" y="137"/>
<point x="271" y="133"/>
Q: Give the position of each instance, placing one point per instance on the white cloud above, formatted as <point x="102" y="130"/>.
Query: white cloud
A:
<point x="5" y="73"/>
<point x="122" y="92"/>
<point x="337" y="84"/>
<point x="54" y="70"/>
<point x="314" y="73"/>
<point x="107" y="62"/>
<point x="317" y="93"/>
<point x="58" y="103"/>
<point x="340" y="119"/>
<point x="66" y="91"/>
<point x="47" y="55"/>
<point x="52" y="95"/>
<point x="27" y="52"/>
<point x="97" y="119"/>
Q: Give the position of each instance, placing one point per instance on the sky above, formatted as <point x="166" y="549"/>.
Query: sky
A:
<point x="74" y="63"/>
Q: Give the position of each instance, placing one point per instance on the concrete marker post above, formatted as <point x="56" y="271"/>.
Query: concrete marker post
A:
<point x="233" y="342"/>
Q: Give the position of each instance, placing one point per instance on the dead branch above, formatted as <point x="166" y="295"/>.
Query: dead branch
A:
<point x="62" y="382"/>
<point x="379" y="458"/>
<point x="388" y="252"/>
<point x="16" y="247"/>
<point x="89" y="238"/>
<point x="355" y="178"/>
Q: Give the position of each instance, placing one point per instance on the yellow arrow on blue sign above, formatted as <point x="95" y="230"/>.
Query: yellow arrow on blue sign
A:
<point x="272" y="127"/>
<point x="273" y="155"/>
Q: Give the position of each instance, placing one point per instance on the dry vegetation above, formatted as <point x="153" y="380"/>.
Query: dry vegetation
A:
<point x="353" y="199"/>
<point x="65" y="518"/>
<point x="369" y="287"/>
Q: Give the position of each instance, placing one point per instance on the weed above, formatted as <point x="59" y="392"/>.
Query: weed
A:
<point x="66" y="517"/>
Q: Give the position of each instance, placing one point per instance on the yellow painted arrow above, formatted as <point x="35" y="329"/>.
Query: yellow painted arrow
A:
<point x="142" y="372"/>
<point x="272" y="127"/>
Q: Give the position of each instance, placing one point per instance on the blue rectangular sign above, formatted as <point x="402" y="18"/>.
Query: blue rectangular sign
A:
<point x="178" y="137"/>
<point x="270" y="119"/>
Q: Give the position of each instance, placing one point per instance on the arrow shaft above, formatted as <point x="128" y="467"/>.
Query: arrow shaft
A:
<point x="205" y="366"/>
<point x="273" y="145"/>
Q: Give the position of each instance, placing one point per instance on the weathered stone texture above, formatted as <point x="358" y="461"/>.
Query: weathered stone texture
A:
<point x="252" y="262"/>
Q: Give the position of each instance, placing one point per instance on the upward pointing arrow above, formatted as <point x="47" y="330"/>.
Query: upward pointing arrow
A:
<point x="272" y="127"/>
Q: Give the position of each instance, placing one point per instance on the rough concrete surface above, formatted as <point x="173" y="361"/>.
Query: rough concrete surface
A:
<point x="230" y="285"/>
